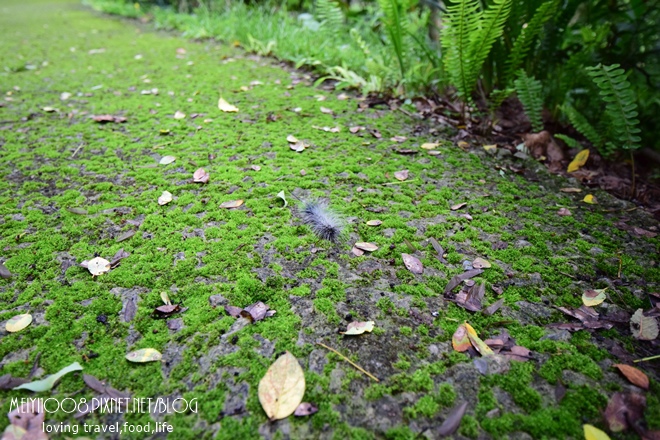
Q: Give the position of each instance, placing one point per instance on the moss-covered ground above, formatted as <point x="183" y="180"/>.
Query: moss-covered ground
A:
<point x="71" y="187"/>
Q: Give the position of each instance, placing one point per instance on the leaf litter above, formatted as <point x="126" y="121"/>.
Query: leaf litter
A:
<point x="282" y="388"/>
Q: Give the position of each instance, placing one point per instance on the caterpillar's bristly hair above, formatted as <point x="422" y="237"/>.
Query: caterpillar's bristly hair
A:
<point x="324" y="222"/>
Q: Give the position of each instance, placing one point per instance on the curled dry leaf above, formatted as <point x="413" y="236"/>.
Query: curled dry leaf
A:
<point x="374" y="223"/>
<point x="634" y="375"/>
<point x="283" y="197"/>
<point x="480" y="263"/>
<point x="369" y="247"/>
<point x="166" y="298"/>
<point x="305" y="409"/>
<point x="49" y="382"/>
<point x="460" y="340"/>
<point x="478" y="344"/>
<point x="592" y="298"/>
<point x="165" y="198"/>
<point x="226" y="107"/>
<point x="458" y="206"/>
<point x="18" y="322"/>
<point x="98" y="266"/>
<point x="578" y="162"/>
<point x="643" y="327"/>
<point x="357" y="328"/>
<point x="231" y="204"/>
<point x="401" y="175"/>
<point x="200" y="176"/>
<point x="282" y="388"/>
<point x="166" y="160"/>
<point x="413" y="264"/>
<point x="292" y="139"/>
<point x="144" y="355"/>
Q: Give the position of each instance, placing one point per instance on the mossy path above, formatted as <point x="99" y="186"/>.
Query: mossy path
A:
<point x="73" y="189"/>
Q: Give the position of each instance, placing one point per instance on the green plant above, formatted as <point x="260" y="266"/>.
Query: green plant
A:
<point x="467" y="38"/>
<point x="529" y="92"/>
<point x="329" y="14"/>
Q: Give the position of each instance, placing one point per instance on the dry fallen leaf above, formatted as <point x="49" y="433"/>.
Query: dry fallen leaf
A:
<point x="480" y="263"/>
<point x="589" y="198"/>
<point x="255" y="167"/>
<point x="460" y="340"/>
<point x="179" y="115"/>
<point x="564" y="212"/>
<point x="166" y="298"/>
<point x="292" y="139"/>
<point x="490" y="148"/>
<point x="144" y="355"/>
<point x="200" y="176"/>
<point x="643" y="327"/>
<point x="458" y="206"/>
<point x="592" y="298"/>
<point x="48" y="382"/>
<point x="165" y="198"/>
<point x="413" y="264"/>
<point x="326" y="110"/>
<point x="98" y="266"/>
<point x="369" y="247"/>
<point x="166" y="160"/>
<point x="453" y="420"/>
<point x="18" y="322"/>
<point x="401" y="175"/>
<point x="357" y="252"/>
<point x="231" y="204"/>
<point x="634" y="375"/>
<point x="297" y="147"/>
<point x="305" y="409"/>
<point x="578" y="162"/>
<point x="282" y="388"/>
<point x="225" y="106"/>
<point x="430" y="146"/>
<point x="374" y="222"/>
<point x="283" y="197"/>
<point x="478" y="344"/>
<point x="357" y="328"/>
<point x="570" y="190"/>
<point x="593" y="433"/>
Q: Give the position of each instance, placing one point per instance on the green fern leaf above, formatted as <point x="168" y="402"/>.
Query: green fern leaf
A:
<point x="523" y="43"/>
<point x="461" y="21"/>
<point x="329" y="14"/>
<point x="620" y="103"/>
<point x="572" y="143"/>
<point x="583" y="126"/>
<point x="529" y="93"/>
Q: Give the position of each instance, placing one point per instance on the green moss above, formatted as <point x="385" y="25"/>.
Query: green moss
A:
<point x="469" y="427"/>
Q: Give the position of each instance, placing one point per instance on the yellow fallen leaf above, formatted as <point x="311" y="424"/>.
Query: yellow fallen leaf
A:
<point x="593" y="433"/>
<point x="357" y="328"/>
<point x="592" y="298"/>
<point x="460" y="340"/>
<point x="225" y="106"/>
<point x="478" y="344"/>
<point x="282" y="388"/>
<point x="430" y="146"/>
<point x="18" y="322"/>
<point x="579" y="161"/>
<point x="589" y="198"/>
<point x="490" y="148"/>
<point x="144" y="355"/>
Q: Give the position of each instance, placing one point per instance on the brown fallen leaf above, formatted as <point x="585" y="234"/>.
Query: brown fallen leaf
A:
<point x="564" y="212"/>
<point x="233" y="311"/>
<point x="480" y="263"/>
<point x="200" y="176"/>
<point x="369" y="247"/>
<point x="231" y="204"/>
<point x="460" y="340"/>
<point x="282" y="388"/>
<point x="326" y="110"/>
<point x="412" y="264"/>
<point x="104" y="119"/>
<point x="570" y="190"/>
<point x="491" y="309"/>
<point x="624" y="410"/>
<point x="357" y="252"/>
<point x="453" y="420"/>
<point x="166" y="311"/>
<point x="256" y="312"/>
<point x="305" y="409"/>
<point x="518" y="353"/>
<point x="398" y="139"/>
<point x="634" y="375"/>
<point x="458" y="279"/>
<point x="458" y="206"/>
<point x="4" y="272"/>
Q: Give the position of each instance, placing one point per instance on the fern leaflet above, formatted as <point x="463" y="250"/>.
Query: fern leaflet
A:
<point x="329" y="14"/>
<point x="529" y="93"/>
<point x="620" y="103"/>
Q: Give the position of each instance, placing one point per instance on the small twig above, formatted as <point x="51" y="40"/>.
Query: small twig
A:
<point x="155" y="147"/>
<point x="396" y="183"/>
<point x="618" y="275"/>
<point x="650" y="358"/>
<point x="407" y="113"/>
<point x="349" y="361"/>
<point x="78" y="149"/>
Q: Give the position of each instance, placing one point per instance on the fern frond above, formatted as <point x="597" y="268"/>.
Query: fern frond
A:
<point x="460" y="22"/>
<point x="523" y="43"/>
<point x="396" y="25"/>
<point x="572" y="143"/>
<point x="583" y="126"/>
<point x="497" y="97"/>
<point x="364" y="47"/>
<point x="329" y="14"/>
<point x="491" y="28"/>
<point x="529" y="92"/>
<point x="620" y="103"/>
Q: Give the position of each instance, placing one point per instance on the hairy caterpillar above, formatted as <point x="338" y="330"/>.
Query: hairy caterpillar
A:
<point x="324" y="222"/>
